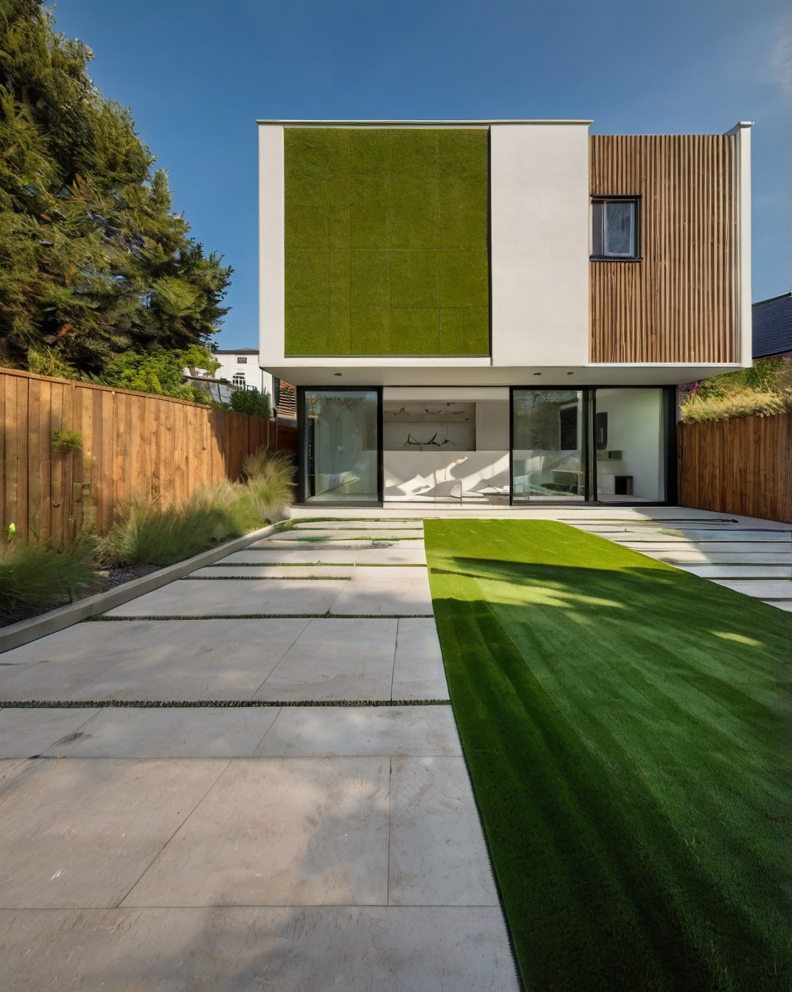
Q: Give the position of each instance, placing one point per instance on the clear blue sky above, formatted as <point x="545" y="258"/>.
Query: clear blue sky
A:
<point x="198" y="73"/>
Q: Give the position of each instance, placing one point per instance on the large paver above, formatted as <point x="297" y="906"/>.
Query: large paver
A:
<point x="418" y="671"/>
<point x="190" y="660"/>
<point x="739" y="571"/>
<point x="288" y="949"/>
<point x="352" y="731"/>
<point x="273" y="571"/>
<point x="385" y="592"/>
<point x="369" y="534"/>
<point x="77" y="833"/>
<point x="191" y="732"/>
<point x="394" y="555"/>
<point x="280" y="832"/>
<point x="760" y="588"/>
<point x="233" y="597"/>
<point x="336" y="659"/>
<point x="26" y="733"/>
<point x="438" y="856"/>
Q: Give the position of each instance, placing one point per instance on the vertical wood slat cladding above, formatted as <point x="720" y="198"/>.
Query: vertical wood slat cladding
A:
<point x="133" y="446"/>
<point x="679" y="304"/>
<point x="739" y="466"/>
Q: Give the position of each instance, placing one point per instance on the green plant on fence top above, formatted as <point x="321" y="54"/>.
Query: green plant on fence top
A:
<point x="66" y="440"/>
<point x="386" y="241"/>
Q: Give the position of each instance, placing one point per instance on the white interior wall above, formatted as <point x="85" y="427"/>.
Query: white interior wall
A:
<point x="437" y="473"/>
<point x="635" y="429"/>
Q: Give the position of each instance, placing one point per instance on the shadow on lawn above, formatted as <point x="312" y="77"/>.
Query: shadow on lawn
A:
<point x="627" y="732"/>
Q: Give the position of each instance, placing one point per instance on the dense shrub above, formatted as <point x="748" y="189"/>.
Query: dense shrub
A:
<point x="762" y="390"/>
<point x="39" y="574"/>
<point x="251" y="401"/>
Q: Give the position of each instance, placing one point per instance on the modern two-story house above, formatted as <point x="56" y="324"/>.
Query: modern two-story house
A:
<point x="497" y="311"/>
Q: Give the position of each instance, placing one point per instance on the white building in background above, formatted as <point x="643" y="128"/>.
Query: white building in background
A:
<point x="241" y="369"/>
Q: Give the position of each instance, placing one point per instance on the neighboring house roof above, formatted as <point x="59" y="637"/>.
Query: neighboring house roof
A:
<point x="772" y="326"/>
<point x="236" y="351"/>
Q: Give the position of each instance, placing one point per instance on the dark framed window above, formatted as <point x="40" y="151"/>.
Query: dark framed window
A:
<point x="615" y="227"/>
<point x="241" y="360"/>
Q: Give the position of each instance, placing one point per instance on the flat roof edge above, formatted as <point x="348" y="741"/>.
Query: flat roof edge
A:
<point x="418" y="123"/>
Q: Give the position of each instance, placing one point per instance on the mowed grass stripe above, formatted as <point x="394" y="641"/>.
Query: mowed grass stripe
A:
<point x="627" y="727"/>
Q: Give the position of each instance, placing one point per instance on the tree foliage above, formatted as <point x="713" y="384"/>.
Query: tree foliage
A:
<point x="93" y="261"/>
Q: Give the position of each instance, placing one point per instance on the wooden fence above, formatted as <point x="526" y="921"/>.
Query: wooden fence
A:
<point x="743" y="466"/>
<point x="133" y="445"/>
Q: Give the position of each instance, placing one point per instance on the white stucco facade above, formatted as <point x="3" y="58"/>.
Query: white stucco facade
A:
<point x="539" y="198"/>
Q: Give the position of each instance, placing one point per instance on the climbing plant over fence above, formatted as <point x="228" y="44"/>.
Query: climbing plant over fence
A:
<point x="122" y="444"/>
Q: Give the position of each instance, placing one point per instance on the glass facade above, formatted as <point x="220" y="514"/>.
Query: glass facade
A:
<point x="341" y="446"/>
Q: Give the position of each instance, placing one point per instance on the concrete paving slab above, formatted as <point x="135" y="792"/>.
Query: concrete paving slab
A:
<point x="82" y="832"/>
<point x="720" y="547"/>
<point x="336" y="660"/>
<point x="280" y="832"/>
<point x="346" y="534"/>
<point x="6" y="671"/>
<point x="418" y="671"/>
<point x="192" y="732"/>
<point x="233" y="596"/>
<point x="297" y="556"/>
<point x="718" y="558"/>
<point x="301" y="949"/>
<point x="674" y="535"/>
<point x="781" y="604"/>
<point x="759" y="588"/>
<point x="368" y="525"/>
<point x="386" y="592"/>
<point x="290" y="572"/>
<point x="437" y="852"/>
<point x="196" y="660"/>
<point x="361" y="730"/>
<point x="739" y="571"/>
<point x="27" y="733"/>
<point x="89" y="640"/>
<point x="340" y="545"/>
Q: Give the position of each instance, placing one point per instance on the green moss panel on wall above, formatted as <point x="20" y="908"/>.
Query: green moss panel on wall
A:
<point x="386" y="241"/>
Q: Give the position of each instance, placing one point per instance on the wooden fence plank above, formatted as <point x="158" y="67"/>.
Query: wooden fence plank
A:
<point x="741" y="466"/>
<point x="133" y="446"/>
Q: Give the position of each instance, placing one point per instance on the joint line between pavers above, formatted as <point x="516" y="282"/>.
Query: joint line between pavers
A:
<point x="69" y="704"/>
<point x="178" y="828"/>
<point x="104" y="618"/>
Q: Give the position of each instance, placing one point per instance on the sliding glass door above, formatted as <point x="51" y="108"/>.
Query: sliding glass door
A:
<point x="340" y="449"/>
<point x="548" y="444"/>
<point x="607" y="445"/>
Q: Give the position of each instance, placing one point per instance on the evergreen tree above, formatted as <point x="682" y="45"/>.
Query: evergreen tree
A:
<point x="93" y="261"/>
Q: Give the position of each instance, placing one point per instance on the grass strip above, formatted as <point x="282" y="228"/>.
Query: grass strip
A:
<point x="627" y="729"/>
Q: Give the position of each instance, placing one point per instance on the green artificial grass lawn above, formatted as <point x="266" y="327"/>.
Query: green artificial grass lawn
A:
<point x="627" y="727"/>
<point x="386" y="241"/>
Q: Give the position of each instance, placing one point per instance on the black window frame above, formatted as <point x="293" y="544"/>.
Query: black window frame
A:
<point x="636" y="256"/>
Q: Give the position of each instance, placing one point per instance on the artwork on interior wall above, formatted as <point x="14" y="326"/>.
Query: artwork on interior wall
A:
<point x="601" y="431"/>
<point x="429" y="426"/>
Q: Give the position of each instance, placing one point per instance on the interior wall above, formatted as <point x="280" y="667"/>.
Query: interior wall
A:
<point x="436" y="473"/>
<point x="634" y="428"/>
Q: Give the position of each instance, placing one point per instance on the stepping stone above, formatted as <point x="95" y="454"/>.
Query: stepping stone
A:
<point x="336" y="659"/>
<point x="361" y="730"/>
<point x="759" y="588"/>
<point x="385" y="591"/>
<point x="234" y="596"/>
